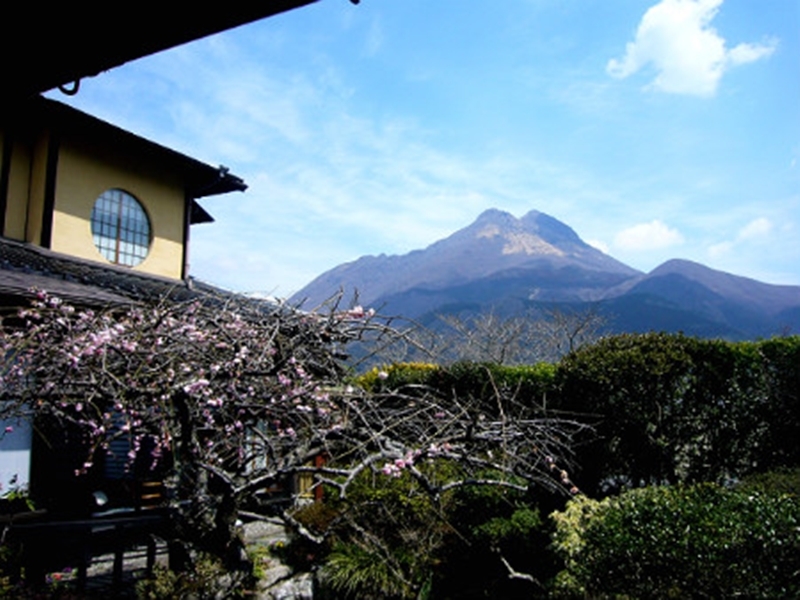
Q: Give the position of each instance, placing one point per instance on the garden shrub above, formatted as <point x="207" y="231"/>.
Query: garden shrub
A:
<point x="702" y="540"/>
<point x="393" y="540"/>
<point x="487" y="523"/>
<point x="395" y="376"/>
<point x="529" y="383"/>
<point x="464" y="379"/>
<point x="669" y="408"/>
<point x="385" y="542"/>
<point x="208" y="578"/>
<point x="779" y="481"/>
<point x="353" y="571"/>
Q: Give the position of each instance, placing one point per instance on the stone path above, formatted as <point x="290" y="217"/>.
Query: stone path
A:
<point x="279" y="582"/>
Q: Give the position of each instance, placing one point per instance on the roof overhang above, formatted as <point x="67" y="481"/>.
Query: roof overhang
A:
<point x="200" y="179"/>
<point x="47" y="46"/>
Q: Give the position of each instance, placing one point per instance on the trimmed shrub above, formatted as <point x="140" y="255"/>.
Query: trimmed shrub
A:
<point x="396" y="376"/>
<point x="670" y="409"/>
<point x="780" y="481"/>
<point x="464" y="379"/>
<point x="701" y="541"/>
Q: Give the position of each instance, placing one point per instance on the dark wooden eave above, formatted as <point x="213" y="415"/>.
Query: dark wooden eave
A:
<point x="25" y="267"/>
<point x="201" y="179"/>
<point x="55" y="44"/>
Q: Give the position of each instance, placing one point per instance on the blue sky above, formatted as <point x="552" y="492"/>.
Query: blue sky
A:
<point x="656" y="130"/>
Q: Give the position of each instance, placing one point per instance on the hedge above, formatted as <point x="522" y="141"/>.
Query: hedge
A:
<point x="666" y="408"/>
<point x="683" y="541"/>
<point x="669" y="408"/>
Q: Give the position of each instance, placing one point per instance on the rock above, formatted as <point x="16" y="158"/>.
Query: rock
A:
<point x="298" y="587"/>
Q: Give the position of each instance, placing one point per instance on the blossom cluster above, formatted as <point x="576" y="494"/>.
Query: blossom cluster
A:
<point x="235" y="372"/>
<point x="247" y="394"/>
<point x="396" y="467"/>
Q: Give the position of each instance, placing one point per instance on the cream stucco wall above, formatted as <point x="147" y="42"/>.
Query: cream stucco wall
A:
<point x="82" y="177"/>
<point x="37" y="182"/>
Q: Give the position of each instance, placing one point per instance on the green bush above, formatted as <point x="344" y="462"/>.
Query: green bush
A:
<point x="355" y="571"/>
<point x="702" y="540"/>
<point x="487" y="523"/>
<point x="468" y="380"/>
<point x="780" y="481"/>
<point x="207" y="578"/>
<point x="385" y="540"/>
<point x="670" y="408"/>
<point x="528" y="383"/>
<point x="394" y="540"/>
<point x="397" y="376"/>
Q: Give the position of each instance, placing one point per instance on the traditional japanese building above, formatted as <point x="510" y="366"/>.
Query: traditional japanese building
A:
<point x="96" y="215"/>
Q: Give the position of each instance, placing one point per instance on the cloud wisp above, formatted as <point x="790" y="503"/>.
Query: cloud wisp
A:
<point x="756" y="230"/>
<point x="676" y="38"/>
<point x="654" y="235"/>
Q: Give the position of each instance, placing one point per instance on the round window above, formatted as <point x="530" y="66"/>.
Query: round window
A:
<point x="120" y="228"/>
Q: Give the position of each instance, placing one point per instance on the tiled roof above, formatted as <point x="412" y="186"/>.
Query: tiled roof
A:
<point x="24" y="267"/>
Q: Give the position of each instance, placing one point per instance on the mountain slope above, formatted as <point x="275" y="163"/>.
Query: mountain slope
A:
<point x="494" y="243"/>
<point x="728" y="305"/>
<point x="507" y="265"/>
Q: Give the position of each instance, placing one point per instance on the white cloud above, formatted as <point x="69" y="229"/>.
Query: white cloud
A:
<point x="676" y="38"/>
<point x="600" y="245"/>
<point x="719" y="250"/>
<point x="747" y="53"/>
<point x="755" y="229"/>
<point x="648" y="236"/>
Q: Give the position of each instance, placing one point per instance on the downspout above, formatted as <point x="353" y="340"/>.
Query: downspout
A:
<point x="51" y="172"/>
<point x="222" y="172"/>
<point x="187" y="221"/>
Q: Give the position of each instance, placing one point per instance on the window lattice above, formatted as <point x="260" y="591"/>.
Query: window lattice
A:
<point x="120" y="228"/>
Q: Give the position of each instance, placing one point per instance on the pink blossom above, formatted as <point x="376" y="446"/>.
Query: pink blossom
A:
<point x="129" y="346"/>
<point x="357" y="312"/>
<point x="391" y="469"/>
<point x="195" y="386"/>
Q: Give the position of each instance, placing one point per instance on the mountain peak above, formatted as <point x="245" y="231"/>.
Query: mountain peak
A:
<point x="495" y="216"/>
<point x="497" y="242"/>
<point x="501" y="262"/>
<point x="534" y="233"/>
<point x="532" y="215"/>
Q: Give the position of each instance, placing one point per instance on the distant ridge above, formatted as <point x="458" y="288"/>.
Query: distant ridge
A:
<point x="509" y="265"/>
